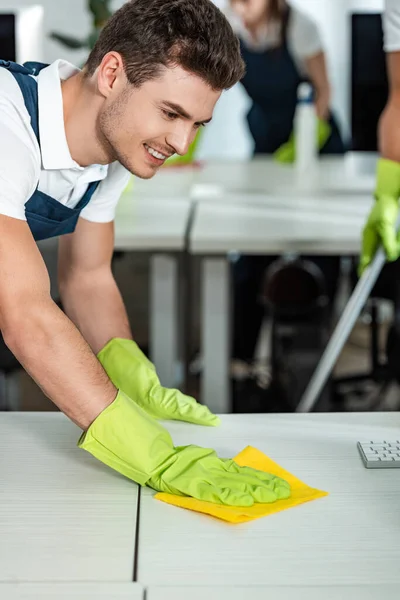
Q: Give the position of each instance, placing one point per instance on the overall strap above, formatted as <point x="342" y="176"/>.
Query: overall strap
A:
<point x="28" y="86"/>
<point x="285" y="24"/>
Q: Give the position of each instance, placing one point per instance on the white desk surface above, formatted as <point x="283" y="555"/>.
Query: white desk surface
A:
<point x="349" y="538"/>
<point x="146" y="223"/>
<point x="333" y="228"/>
<point x="349" y="174"/>
<point x="249" y="592"/>
<point x="64" y="517"/>
<point x="167" y="181"/>
<point x="71" y="591"/>
<point x="339" y="204"/>
<point x="155" y="214"/>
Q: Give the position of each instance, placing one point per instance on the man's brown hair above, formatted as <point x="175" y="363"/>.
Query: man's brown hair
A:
<point x="152" y="34"/>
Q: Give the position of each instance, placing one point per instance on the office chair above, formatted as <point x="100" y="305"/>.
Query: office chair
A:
<point x="375" y="382"/>
<point x="296" y="302"/>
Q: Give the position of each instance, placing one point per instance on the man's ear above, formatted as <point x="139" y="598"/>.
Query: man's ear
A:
<point x="111" y="74"/>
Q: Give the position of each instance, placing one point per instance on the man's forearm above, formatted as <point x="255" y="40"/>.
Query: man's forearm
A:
<point x="54" y="353"/>
<point x="317" y="71"/>
<point x="94" y="303"/>
<point x="389" y="124"/>
<point x="389" y="130"/>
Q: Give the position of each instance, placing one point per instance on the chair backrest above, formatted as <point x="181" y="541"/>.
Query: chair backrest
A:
<point x="295" y="289"/>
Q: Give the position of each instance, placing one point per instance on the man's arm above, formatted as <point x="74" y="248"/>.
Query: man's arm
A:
<point x="89" y="293"/>
<point x="42" y="338"/>
<point x="389" y="125"/>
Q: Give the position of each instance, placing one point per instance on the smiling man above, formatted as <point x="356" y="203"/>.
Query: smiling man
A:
<point x="68" y="141"/>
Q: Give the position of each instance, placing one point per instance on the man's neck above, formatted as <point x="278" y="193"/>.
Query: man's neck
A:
<point x="81" y="107"/>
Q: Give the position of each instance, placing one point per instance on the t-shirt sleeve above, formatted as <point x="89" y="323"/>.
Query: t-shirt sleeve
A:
<point x="102" y="206"/>
<point x="391" y="25"/>
<point x="19" y="157"/>
<point x="304" y="36"/>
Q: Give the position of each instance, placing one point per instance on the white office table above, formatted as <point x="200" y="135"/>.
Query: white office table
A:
<point x="167" y="180"/>
<point x="247" y="592"/>
<point x="71" y="591"/>
<point x="352" y="173"/>
<point x="346" y="541"/>
<point x="158" y="225"/>
<point x="64" y="517"/>
<point x="270" y="224"/>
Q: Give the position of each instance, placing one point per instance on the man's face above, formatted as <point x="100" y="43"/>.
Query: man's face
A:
<point x="141" y="127"/>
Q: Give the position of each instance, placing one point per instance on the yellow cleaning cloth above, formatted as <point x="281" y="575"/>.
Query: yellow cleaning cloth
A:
<point x="250" y="457"/>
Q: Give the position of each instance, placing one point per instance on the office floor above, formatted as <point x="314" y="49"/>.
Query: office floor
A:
<point x="131" y="272"/>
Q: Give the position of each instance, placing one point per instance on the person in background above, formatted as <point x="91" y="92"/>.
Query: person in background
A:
<point x="281" y="47"/>
<point x="380" y="227"/>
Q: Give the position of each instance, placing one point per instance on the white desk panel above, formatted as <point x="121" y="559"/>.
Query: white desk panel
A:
<point x="64" y="516"/>
<point x="220" y="228"/>
<point x="143" y="223"/>
<point x="249" y="592"/>
<point x="334" y="174"/>
<point x="349" y="538"/>
<point x="71" y="591"/>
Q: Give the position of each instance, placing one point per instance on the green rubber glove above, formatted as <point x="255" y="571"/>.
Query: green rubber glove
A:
<point x="127" y="439"/>
<point x="287" y="152"/>
<point x="130" y="371"/>
<point x="380" y="226"/>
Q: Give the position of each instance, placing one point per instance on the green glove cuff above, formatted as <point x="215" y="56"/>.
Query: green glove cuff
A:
<point x="127" y="439"/>
<point x="387" y="179"/>
<point x="130" y="371"/>
<point x="107" y="355"/>
<point x="287" y="152"/>
<point x="323" y="132"/>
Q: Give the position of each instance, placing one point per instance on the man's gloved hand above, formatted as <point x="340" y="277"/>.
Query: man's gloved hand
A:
<point x="127" y="439"/>
<point x="130" y="371"/>
<point x="380" y="227"/>
<point x="287" y="152"/>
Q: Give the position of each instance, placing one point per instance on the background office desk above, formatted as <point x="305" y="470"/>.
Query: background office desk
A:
<point x="270" y="224"/>
<point x="71" y="591"/>
<point x="350" y="538"/>
<point x="64" y="517"/>
<point x="158" y="225"/>
<point x="341" y="174"/>
<point x="155" y="216"/>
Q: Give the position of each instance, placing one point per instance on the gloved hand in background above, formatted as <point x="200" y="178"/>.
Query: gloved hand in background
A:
<point x="127" y="439"/>
<point x="380" y="227"/>
<point x="287" y="152"/>
<point x="130" y="371"/>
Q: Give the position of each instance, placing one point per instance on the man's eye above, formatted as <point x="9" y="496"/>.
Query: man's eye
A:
<point x="170" y="115"/>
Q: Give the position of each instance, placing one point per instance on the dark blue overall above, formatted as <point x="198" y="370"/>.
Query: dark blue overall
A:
<point x="271" y="81"/>
<point x="45" y="216"/>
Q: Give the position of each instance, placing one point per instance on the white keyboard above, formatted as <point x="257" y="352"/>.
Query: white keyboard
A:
<point x="380" y="455"/>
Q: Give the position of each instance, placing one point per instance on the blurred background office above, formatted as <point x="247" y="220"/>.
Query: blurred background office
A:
<point x="351" y="34"/>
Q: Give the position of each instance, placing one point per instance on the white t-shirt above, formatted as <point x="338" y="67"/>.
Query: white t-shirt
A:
<point x="303" y="37"/>
<point x="23" y="164"/>
<point x="391" y="25"/>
